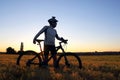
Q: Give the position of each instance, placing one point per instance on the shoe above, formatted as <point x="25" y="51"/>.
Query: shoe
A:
<point x="56" y="66"/>
<point x="45" y="65"/>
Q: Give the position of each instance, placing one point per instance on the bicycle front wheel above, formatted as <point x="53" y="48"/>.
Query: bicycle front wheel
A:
<point x="28" y="58"/>
<point x="70" y="60"/>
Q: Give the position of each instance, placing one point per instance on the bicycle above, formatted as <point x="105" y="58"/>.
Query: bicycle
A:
<point x="29" y="57"/>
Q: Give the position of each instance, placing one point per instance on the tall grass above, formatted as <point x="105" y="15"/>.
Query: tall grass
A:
<point x="94" y="68"/>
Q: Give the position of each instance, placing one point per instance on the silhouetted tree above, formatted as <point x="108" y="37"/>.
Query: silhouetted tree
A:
<point x="10" y="50"/>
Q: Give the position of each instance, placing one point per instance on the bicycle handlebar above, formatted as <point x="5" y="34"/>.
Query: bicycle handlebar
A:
<point x="40" y="40"/>
<point x="64" y="41"/>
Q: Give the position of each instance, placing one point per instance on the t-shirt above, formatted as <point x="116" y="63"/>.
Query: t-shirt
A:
<point x="50" y="34"/>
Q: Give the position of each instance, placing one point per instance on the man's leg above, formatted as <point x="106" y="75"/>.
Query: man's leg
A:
<point x="46" y="53"/>
<point x="53" y="51"/>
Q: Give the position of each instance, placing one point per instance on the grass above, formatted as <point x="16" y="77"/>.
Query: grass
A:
<point x="94" y="68"/>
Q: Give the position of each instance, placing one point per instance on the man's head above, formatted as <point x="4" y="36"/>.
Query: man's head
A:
<point x="53" y="22"/>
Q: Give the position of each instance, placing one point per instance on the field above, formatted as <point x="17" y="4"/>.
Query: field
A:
<point x="100" y="67"/>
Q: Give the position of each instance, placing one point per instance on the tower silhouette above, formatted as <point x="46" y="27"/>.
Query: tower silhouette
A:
<point x="21" y="46"/>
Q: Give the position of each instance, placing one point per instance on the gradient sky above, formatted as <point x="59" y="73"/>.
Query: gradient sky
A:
<point x="89" y="25"/>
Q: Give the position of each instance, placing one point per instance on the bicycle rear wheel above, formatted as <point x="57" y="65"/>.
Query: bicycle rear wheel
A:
<point x="28" y="58"/>
<point x="72" y="61"/>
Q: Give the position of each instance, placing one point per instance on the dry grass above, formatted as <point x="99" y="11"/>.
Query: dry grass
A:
<point x="94" y="68"/>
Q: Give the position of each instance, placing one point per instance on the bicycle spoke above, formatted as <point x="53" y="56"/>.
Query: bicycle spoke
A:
<point x="73" y="61"/>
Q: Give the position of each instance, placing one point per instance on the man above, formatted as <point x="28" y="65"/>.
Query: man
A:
<point x="49" y="41"/>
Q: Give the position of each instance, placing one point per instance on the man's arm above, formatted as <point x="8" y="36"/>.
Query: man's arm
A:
<point x="40" y="32"/>
<point x="59" y="38"/>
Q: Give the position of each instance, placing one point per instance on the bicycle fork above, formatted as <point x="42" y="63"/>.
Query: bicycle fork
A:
<point x="66" y="61"/>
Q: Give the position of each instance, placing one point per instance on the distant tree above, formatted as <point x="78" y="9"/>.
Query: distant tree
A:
<point x="10" y="50"/>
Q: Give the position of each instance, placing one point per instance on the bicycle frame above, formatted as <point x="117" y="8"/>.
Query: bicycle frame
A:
<point x="57" y="48"/>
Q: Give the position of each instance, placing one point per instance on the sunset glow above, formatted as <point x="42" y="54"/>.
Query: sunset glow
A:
<point x="89" y="25"/>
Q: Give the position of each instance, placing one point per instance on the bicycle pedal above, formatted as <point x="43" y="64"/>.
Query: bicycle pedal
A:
<point x="28" y="63"/>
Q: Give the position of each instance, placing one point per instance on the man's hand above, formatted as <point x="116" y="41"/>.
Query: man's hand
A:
<point x="34" y="41"/>
<point x="63" y="40"/>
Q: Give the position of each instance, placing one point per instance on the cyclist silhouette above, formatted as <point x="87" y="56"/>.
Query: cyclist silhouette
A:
<point x="49" y="41"/>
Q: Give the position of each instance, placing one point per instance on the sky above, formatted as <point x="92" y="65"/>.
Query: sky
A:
<point x="89" y="25"/>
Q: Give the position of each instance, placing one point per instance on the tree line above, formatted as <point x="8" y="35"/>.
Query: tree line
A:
<point x="10" y="50"/>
